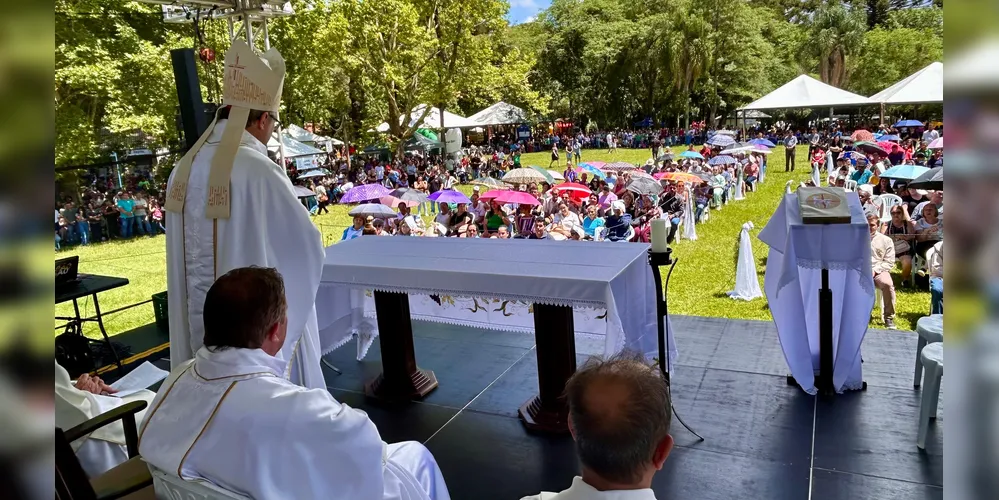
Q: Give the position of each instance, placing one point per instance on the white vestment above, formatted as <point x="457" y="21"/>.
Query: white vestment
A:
<point x="231" y="418"/>
<point x="267" y="227"/>
<point x="104" y="448"/>
<point x="582" y="491"/>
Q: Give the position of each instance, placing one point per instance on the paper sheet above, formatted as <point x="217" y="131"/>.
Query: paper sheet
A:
<point x="138" y="379"/>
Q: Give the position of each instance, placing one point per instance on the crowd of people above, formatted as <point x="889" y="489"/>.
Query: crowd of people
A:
<point x="589" y="205"/>
<point x="106" y="215"/>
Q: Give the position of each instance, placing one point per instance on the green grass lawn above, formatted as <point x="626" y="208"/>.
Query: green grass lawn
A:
<point x="705" y="272"/>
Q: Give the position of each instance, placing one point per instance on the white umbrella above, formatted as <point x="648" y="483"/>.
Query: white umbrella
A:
<point x="555" y="175"/>
<point x="372" y="210"/>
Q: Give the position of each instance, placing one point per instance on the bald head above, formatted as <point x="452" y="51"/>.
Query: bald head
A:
<point x="620" y="417"/>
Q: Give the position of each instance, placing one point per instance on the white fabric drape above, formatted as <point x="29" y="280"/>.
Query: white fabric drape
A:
<point x="488" y="284"/>
<point x="747" y="283"/>
<point x="267" y="227"/>
<point x="798" y="253"/>
<point x="689" y="232"/>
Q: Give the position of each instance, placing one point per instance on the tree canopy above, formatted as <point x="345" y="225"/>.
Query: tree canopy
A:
<point x="353" y="65"/>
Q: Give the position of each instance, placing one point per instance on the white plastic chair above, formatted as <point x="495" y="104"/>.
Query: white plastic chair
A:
<point x="889" y="200"/>
<point x="787" y="187"/>
<point x="850" y="185"/>
<point x="600" y="233"/>
<point x="170" y="487"/>
<point x="932" y="357"/>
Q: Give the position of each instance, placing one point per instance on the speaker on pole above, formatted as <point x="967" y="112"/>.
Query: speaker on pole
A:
<point x="192" y="109"/>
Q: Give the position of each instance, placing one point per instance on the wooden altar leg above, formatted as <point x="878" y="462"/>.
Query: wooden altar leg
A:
<point x="553" y="333"/>
<point x="400" y="379"/>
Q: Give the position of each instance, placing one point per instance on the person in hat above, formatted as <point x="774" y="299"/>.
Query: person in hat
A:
<point x="234" y="207"/>
<point x="618" y="223"/>
<point x="863" y="174"/>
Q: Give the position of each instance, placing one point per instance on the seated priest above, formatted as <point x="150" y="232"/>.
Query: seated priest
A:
<point x="619" y="417"/>
<point x="87" y="397"/>
<point x="229" y="416"/>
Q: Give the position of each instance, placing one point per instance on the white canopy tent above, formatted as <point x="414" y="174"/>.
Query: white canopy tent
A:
<point x="432" y="121"/>
<point x="807" y="92"/>
<point x="292" y="147"/>
<point x="302" y="135"/>
<point x="500" y="113"/>
<point x="922" y="87"/>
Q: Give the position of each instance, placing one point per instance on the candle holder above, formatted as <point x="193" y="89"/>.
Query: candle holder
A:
<point x="657" y="260"/>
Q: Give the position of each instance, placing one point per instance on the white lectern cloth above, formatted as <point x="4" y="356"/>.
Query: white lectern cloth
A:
<point x="492" y="283"/>
<point x="798" y="252"/>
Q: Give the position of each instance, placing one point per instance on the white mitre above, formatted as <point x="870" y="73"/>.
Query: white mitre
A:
<point x="251" y="81"/>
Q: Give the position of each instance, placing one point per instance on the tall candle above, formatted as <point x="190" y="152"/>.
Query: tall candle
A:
<point x="659" y="233"/>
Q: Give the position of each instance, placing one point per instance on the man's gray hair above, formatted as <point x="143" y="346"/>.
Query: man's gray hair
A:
<point x="618" y="443"/>
<point x="241" y="306"/>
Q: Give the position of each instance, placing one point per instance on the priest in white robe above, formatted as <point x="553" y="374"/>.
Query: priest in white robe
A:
<point x="231" y="418"/>
<point x="89" y="397"/>
<point x="230" y="206"/>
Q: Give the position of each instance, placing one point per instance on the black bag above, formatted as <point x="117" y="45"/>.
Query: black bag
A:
<point x="72" y="351"/>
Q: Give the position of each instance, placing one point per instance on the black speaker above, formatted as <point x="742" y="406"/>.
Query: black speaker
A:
<point x="192" y="108"/>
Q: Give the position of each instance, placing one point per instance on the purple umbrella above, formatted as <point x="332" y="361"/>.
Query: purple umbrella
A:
<point x="449" y="196"/>
<point x="364" y="192"/>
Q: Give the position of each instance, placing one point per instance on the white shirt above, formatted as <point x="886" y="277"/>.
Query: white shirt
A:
<point x="235" y="421"/>
<point x="582" y="491"/>
<point x="443" y="218"/>
<point x="930" y="136"/>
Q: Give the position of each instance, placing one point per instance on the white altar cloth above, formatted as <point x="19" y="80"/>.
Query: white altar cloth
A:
<point x="798" y="252"/>
<point x="491" y="283"/>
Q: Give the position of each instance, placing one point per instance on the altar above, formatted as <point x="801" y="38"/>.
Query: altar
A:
<point x="374" y="287"/>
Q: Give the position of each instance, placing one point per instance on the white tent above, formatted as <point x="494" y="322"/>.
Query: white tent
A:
<point x="302" y="135"/>
<point x="807" y="92"/>
<point x="292" y="147"/>
<point x="923" y="86"/>
<point x="432" y="121"/>
<point x="500" y="113"/>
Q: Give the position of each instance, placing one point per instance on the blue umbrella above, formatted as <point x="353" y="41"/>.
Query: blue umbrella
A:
<point x="722" y="160"/>
<point x="904" y="172"/>
<point x="908" y="123"/>
<point x="721" y="140"/>
<point x="691" y="154"/>
<point x="763" y="142"/>
<point x="586" y="167"/>
<point x="890" y="137"/>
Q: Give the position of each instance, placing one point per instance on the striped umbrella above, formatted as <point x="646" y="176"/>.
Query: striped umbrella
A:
<point x="589" y="168"/>
<point x="525" y="176"/>
<point x="721" y="140"/>
<point x="618" y="166"/>
<point x="762" y="142"/>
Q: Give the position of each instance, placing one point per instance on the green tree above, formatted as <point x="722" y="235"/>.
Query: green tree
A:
<point x="888" y="56"/>
<point x="835" y="34"/>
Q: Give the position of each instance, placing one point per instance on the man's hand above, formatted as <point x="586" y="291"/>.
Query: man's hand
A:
<point x="93" y="385"/>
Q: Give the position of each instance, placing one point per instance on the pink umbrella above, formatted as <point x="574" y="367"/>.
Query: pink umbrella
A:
<point x="598" y="164"/>
<point x="518" y="197"/>
<point x="936" y="144"/>
<point x="394" y="202"/>
<point x="492" y="193"/>
<point x="887" y="145"/>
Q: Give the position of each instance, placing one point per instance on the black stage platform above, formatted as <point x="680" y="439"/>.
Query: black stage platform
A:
<point x="763" y="439"/>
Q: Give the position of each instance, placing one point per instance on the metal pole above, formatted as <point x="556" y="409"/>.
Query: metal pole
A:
<point x="117" y="169"/>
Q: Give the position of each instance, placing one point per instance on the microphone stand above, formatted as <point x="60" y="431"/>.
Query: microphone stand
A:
<point x="657" y="259"/>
